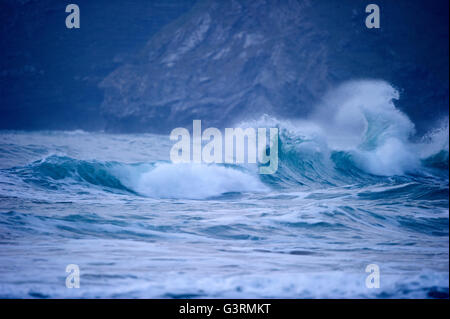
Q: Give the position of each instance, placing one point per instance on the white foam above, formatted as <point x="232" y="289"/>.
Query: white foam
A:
<point x="195" y="181"/>
<point x="435" y="141"/>
<point x="360" y="117"/>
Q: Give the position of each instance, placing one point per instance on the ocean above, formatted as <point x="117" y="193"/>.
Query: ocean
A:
<point x="355" y="186"/>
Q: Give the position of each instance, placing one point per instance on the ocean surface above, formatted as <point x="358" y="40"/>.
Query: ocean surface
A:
<point x="355" y="186"/>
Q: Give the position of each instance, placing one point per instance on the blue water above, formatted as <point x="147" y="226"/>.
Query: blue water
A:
<point x="354" y="187"/>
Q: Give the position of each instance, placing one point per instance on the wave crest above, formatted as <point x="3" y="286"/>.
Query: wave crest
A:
<point x="356" y="133"/>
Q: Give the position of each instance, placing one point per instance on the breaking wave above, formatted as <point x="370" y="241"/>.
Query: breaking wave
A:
<point x="355" y="136"/>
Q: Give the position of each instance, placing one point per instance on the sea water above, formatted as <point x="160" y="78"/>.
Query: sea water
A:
<point x="355" y="186"/>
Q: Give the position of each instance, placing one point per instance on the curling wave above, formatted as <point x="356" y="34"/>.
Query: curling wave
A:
<point x="355" y="136"/>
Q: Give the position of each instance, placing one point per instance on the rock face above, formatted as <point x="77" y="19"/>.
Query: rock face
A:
<point x="154" y="65"/>
<point x="225" y="61"/>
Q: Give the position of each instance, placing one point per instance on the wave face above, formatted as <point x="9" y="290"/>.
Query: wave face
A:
<point x="355" y="186"/>
<point x="356" y="135"/>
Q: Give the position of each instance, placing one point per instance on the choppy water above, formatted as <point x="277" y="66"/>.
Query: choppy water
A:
<point x="137" y="225"/>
